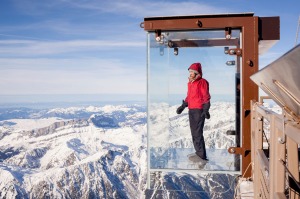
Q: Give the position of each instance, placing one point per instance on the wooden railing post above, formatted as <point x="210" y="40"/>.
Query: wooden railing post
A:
<point x="277" y="153"/>
<point x="292" y="154"/>
<point x="256" y="145"/>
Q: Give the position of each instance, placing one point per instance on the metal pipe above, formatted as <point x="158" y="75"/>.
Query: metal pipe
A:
<point x="286" y="91"/>
<point x="271" y="93"/>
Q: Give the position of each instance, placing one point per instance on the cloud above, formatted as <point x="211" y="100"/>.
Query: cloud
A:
<point x="133" y="8"/>
<point x="35" y="48"/>
<point x="97" y="19"/>
<point x="37" y="8"/>
<point x="137" y="8"/>
<point x="69" y="76"/>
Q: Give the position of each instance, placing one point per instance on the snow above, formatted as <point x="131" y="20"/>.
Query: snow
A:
<point x="59" y="156"/>
<point x="29" y="124"/>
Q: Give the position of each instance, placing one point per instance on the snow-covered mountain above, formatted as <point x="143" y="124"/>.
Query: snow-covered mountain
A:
<point x="101" y="152"/>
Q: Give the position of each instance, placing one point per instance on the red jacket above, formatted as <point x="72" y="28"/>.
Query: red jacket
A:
<point x="198" y="93"/>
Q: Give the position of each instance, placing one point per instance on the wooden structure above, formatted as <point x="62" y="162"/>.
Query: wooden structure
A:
<point x="275" y="151"/>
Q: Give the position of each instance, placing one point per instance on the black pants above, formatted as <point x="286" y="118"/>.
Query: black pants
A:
<point x="196" y="125"/>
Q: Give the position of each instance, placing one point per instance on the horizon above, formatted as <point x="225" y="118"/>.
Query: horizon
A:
<point x="95" y="98"/>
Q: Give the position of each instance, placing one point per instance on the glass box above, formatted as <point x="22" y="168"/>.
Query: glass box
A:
<point x="169" y="138"/>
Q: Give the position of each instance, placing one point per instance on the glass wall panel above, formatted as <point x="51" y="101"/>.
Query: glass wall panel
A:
<point x="158" y="106"/>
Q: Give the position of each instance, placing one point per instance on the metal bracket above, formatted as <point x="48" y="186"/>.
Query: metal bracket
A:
<point x="158" y="36"/>
<point x="235" y="51"/>
<point x="228" y="33"/>
<point x="239" y="150"/>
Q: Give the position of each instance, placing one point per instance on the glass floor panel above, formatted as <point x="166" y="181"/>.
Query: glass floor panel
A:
<point x="178" y="159"/>
<point x="192" y="185"/>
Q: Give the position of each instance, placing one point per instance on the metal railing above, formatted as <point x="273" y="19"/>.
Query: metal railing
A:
<point x="274" y="158"/>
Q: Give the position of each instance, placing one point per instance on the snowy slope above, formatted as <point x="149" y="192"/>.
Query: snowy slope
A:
<point x="63" y="158"/>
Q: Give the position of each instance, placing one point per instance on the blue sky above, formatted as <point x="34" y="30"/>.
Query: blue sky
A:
<point x="97" y="47"/>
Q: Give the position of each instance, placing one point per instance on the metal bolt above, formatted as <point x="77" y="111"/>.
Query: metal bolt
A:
<point x="249" y="62"/>
<point x="231" y="52"/>
<point x="226" y="50"/>
<point x="259" y="119"/>
<point x="281" y="140"/>
<point x="175" y="51"/>
<point x="199" y="23"/>
<point x="230" y="63"/>
<point x="232" y="150"/>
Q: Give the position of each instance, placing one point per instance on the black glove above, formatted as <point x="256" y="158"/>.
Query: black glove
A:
<point x="182" y="107"/>
<point x="205" y="112"/>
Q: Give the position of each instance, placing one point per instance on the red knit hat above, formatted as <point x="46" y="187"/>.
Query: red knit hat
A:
<point x="196" y="67"/>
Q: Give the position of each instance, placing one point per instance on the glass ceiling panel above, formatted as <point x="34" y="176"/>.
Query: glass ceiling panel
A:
<point x="208" y="36"/>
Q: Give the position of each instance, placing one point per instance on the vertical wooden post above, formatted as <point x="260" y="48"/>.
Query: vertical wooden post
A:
<point x="292" y="154"/>
<point x="256" y="144"/>
<point x="277" y="153"/>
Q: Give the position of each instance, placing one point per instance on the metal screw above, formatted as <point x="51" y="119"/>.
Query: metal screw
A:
<point x="228" y="36"/>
